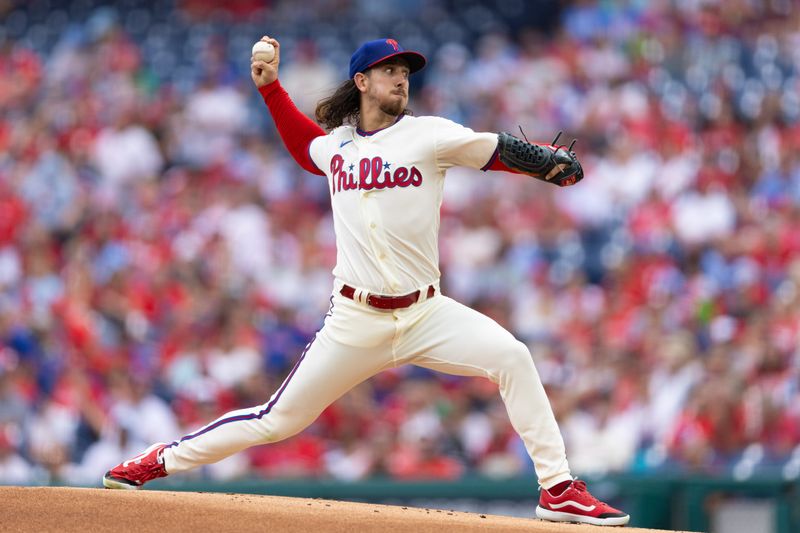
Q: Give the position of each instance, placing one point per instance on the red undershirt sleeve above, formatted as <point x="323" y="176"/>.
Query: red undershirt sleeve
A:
<point x="296" y="129"/>
<point x="494" y="163"/>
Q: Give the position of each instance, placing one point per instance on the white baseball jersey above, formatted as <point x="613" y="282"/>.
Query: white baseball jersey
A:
<point x="386" y="190"/>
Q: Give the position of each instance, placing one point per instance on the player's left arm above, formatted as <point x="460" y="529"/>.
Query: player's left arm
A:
<point x="457" y="145"/>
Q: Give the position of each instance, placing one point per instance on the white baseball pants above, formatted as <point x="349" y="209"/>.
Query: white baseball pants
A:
<point x="355" y="343"/>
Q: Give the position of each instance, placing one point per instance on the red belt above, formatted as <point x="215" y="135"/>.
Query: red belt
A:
<point x="388" y="302"/>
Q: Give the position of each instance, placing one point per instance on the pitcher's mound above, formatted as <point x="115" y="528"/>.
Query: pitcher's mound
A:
<point x="98" y="510"/>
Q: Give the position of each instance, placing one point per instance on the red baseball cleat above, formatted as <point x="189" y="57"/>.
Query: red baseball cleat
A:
<point x="576" y="504"/>
<point x="135" y="472"/>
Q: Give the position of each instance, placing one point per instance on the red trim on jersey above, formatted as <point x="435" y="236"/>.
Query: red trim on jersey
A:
<point x="296" y="130"/>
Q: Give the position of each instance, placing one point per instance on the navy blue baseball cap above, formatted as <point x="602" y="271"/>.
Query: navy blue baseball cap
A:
<point x="371" y="53"/>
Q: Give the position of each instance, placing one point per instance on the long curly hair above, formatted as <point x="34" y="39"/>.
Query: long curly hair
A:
<point x="344" y="105"/>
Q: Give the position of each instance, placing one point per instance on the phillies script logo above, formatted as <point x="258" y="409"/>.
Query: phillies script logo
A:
<point x="372" y="174"/>
<point x="394" y="44"/>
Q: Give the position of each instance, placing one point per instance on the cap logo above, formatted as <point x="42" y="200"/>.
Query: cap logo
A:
<point x="373" y="52"/>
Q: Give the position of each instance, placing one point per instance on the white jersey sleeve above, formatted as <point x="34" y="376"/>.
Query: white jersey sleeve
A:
<point x="457" y="145"/>
<point x="318" y="151"/>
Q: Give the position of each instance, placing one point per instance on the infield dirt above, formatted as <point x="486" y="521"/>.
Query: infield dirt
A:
<point x="97" y="510"/>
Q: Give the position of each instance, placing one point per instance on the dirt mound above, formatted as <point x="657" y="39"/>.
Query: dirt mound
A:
<point x="98" y="510"/>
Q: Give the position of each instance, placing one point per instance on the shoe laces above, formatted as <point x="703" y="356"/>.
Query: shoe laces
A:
<point x="580" y="486"/>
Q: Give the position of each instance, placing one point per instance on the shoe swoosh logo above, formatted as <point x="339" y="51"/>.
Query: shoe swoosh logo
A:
<point x="134" y="459"/>
<point x="343" y="143"/>
<point x="577" y="505"/>
<point x="137" y="458"/>
<point x="129" y="461"/>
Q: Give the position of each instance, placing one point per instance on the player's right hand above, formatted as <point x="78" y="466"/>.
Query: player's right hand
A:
<point x="264" y="73"/>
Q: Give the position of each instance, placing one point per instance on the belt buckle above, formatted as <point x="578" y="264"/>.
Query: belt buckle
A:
<point x="386" y="303"/>
<point x="390" y="302"/>
<point x="379" y="301"/>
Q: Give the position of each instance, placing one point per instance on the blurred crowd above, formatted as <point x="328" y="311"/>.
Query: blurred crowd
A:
<point x="163" y="260"/>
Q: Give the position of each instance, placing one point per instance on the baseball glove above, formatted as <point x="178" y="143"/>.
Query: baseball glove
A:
<point x="551" y="163"/>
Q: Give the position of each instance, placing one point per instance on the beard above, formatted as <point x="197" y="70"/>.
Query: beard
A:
<point x="393" y="107"/>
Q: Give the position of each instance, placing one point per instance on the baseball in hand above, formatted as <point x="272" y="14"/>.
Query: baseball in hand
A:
<point x="263" y="51"/>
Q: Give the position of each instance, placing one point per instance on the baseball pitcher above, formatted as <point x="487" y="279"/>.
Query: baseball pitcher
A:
<point x="385" y="171"/>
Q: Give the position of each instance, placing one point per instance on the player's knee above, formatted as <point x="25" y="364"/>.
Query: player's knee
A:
<point x="514" y="358"/>
<point x="279" y="427"/>
<point x="511" y="358"/>
<point x="274" y="433"/>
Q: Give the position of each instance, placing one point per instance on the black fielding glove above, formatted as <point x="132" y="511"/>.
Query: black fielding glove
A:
<point x="551" y="163"/>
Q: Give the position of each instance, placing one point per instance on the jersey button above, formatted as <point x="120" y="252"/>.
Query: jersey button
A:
<point x="372" y="225"/>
